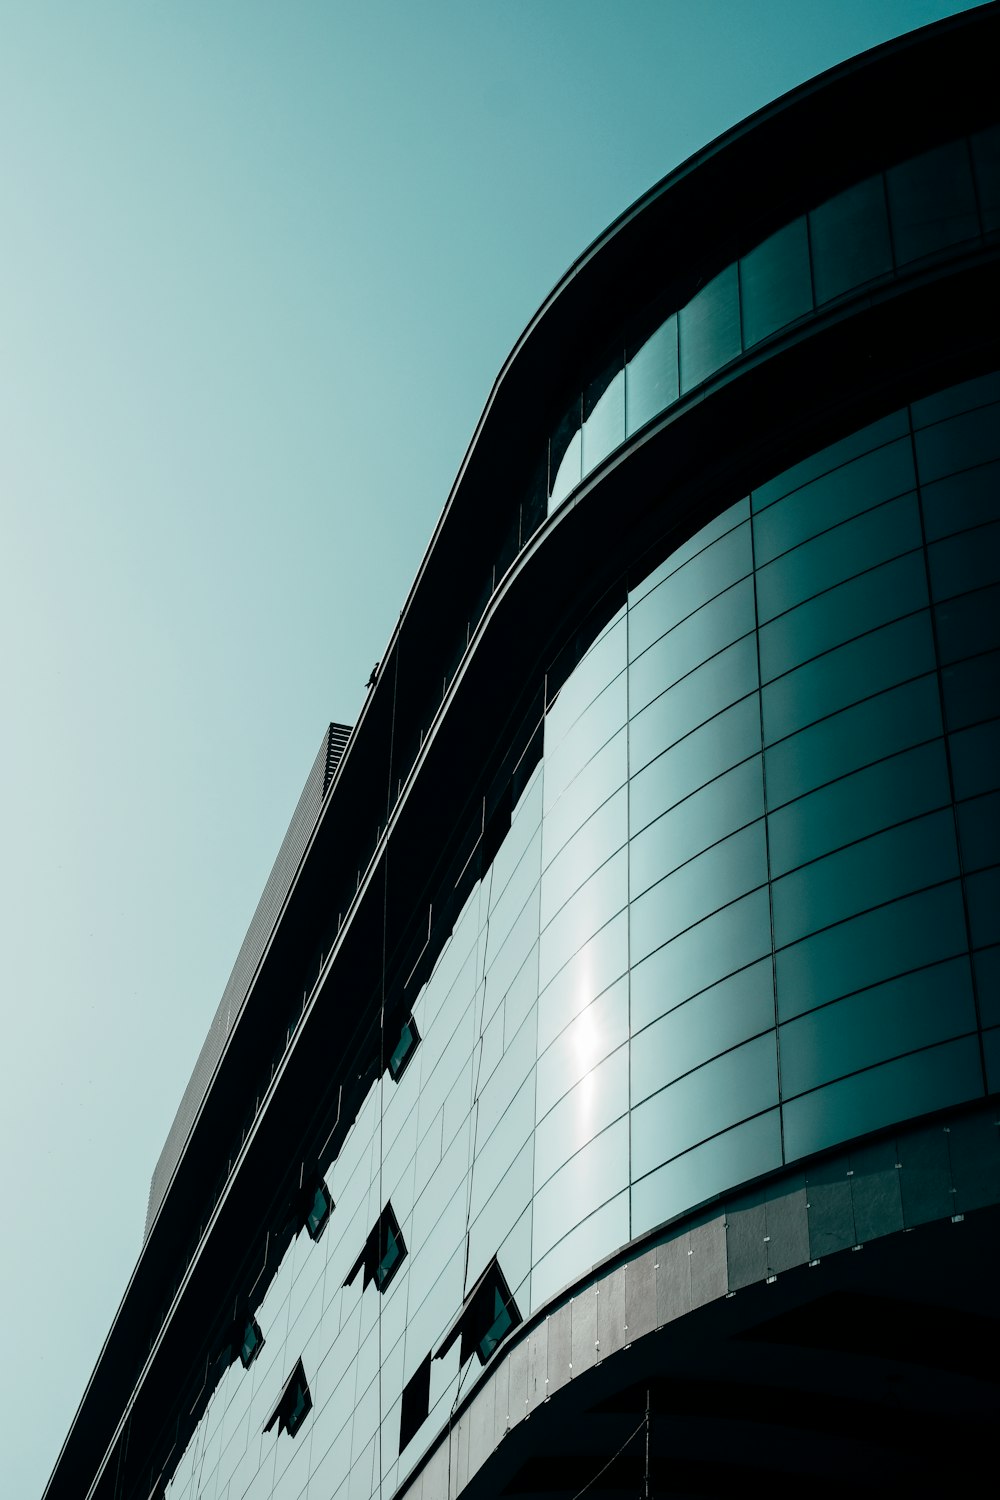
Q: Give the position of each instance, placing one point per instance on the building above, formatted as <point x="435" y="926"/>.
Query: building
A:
<point x="635" y="966"/>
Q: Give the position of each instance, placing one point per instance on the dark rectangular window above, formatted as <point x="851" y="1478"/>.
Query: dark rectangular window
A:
<point x="416" y="1402"/>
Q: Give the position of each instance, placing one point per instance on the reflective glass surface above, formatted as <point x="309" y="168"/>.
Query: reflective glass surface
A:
<point x="850" y="239"/>
<point x="776" y="282"/>
<point x="709" y="328"/>
<point x="651" y="379"/>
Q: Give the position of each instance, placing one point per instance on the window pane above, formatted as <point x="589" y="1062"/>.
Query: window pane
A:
<point x="962" y="500"/>
<point x="726" y="804"/>
<point x="735" y="1156"/>
<point x="850" y="609"/>
<point x="965" y="562"/>
<point x="967" y="625"/>
<point x="864" y="440"/>
<point x="971" y="690"/>
<point x="603" y="417"/>
<point x="700" y="957"/>
<point x="915" y="1085"/>
<point x="714" y="686"/>
<point x="709" y="330"/>
<point x="983" y="895"/>
<point x="975" y="760"/>
<point x="705" y="576"/>
<point x="775" y="282"/>
<point x="713" y="1022"/>
<point x="862" y="668"/>
<point x="565" y="451"/>
<point x="723" y="742"/>
<point x="875" y="798"/>
<point x="887" y="1021"/>
<point x="878" y="869"/>
<point x="713" y="879"/>
<point x="962" y="441"/>
<point x="739" y="1084"/>
<point x="867" y="949"/>
<point x="868" y="539"/>
<point x="836" y="496"/>
<point x="932" y="204"/>
<point x="706" y="631"/>
<point x="979" y="832"/>
<point x="850" y="239"/>
<point x="651" y="376"/>
<point x="902" y="717"/>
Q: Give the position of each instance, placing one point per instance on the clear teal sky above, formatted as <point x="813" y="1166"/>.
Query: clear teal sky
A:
<point x="259" y="265"/>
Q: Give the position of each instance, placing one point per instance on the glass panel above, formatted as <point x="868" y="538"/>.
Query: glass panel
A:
<point x="954" y="399"/>
<point x="705" y="576"/>
<point x="983" y="894"/>
<point x="877" y="945"/>
<point x="971" y="690"/>
<point x="598" y="723"/>
<point x="651" y="376"/>
<point x="987" y="967"/>
<point x="975" y="760"/>
<point x="565" y="451"/>
<point x="723" y="742"/>
<point x="979" y="832"/>
<point x="603" y="416"/>
<point x="887" y="1021"/>
<point x="595" y="903"/>
<point x="601" y="836"/>
<point x="709" y="331"/>
<point x="843" y="612"/>
<point x="720" y="682"/>
<point x="961" y="500"/>
<point x="837" y="496"/>
<point x="837" y="555"/>
<point x="932" y="204"/>
<point x="878" y="869"/>
<point x="713" y="1022"/>
<point x="726" y="804"/>
<point x="864" y="440"/>
<point x="965" y="562"/>
<point x="909" y="1086"/>
<point x="742" y="1082"/>
<point x="733" y="1157"/>
<point x="590" y="1107"/>
<point x="710" y="629"/>
<point x="850" y="239"/>
<point x="588" y="974"/>
<point x="893" y="790"/>
<point x="594" y="1034"/>
<point x="775" y="283"/>
<point x="713" y="879"/>
<point x="601" y="664"/>
<point x="968" y="625"/>
<point x="600" y="777"/>
<point x="711" y="532"/>
<point x="858" y="670"/>
<point x="700" y="957"/>
<point x="963" y="441"/>
<point x="588" y="1179"/>
<point x="986" y="159"/>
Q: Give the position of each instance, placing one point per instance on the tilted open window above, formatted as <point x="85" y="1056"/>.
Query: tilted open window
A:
<point x="489" y="1314"/>
<point x="404" y="1049"/>
<point x="383" y="1254"/>
<point x="317" y="1206"/>
<point x="294" y="1403"/>
<point x="253" y="1343"/>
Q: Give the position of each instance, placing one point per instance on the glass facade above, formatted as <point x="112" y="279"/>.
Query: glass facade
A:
<point x="746" y="910"/>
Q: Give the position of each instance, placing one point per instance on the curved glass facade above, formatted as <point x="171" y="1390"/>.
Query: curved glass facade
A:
<point x="745" y="911"/>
